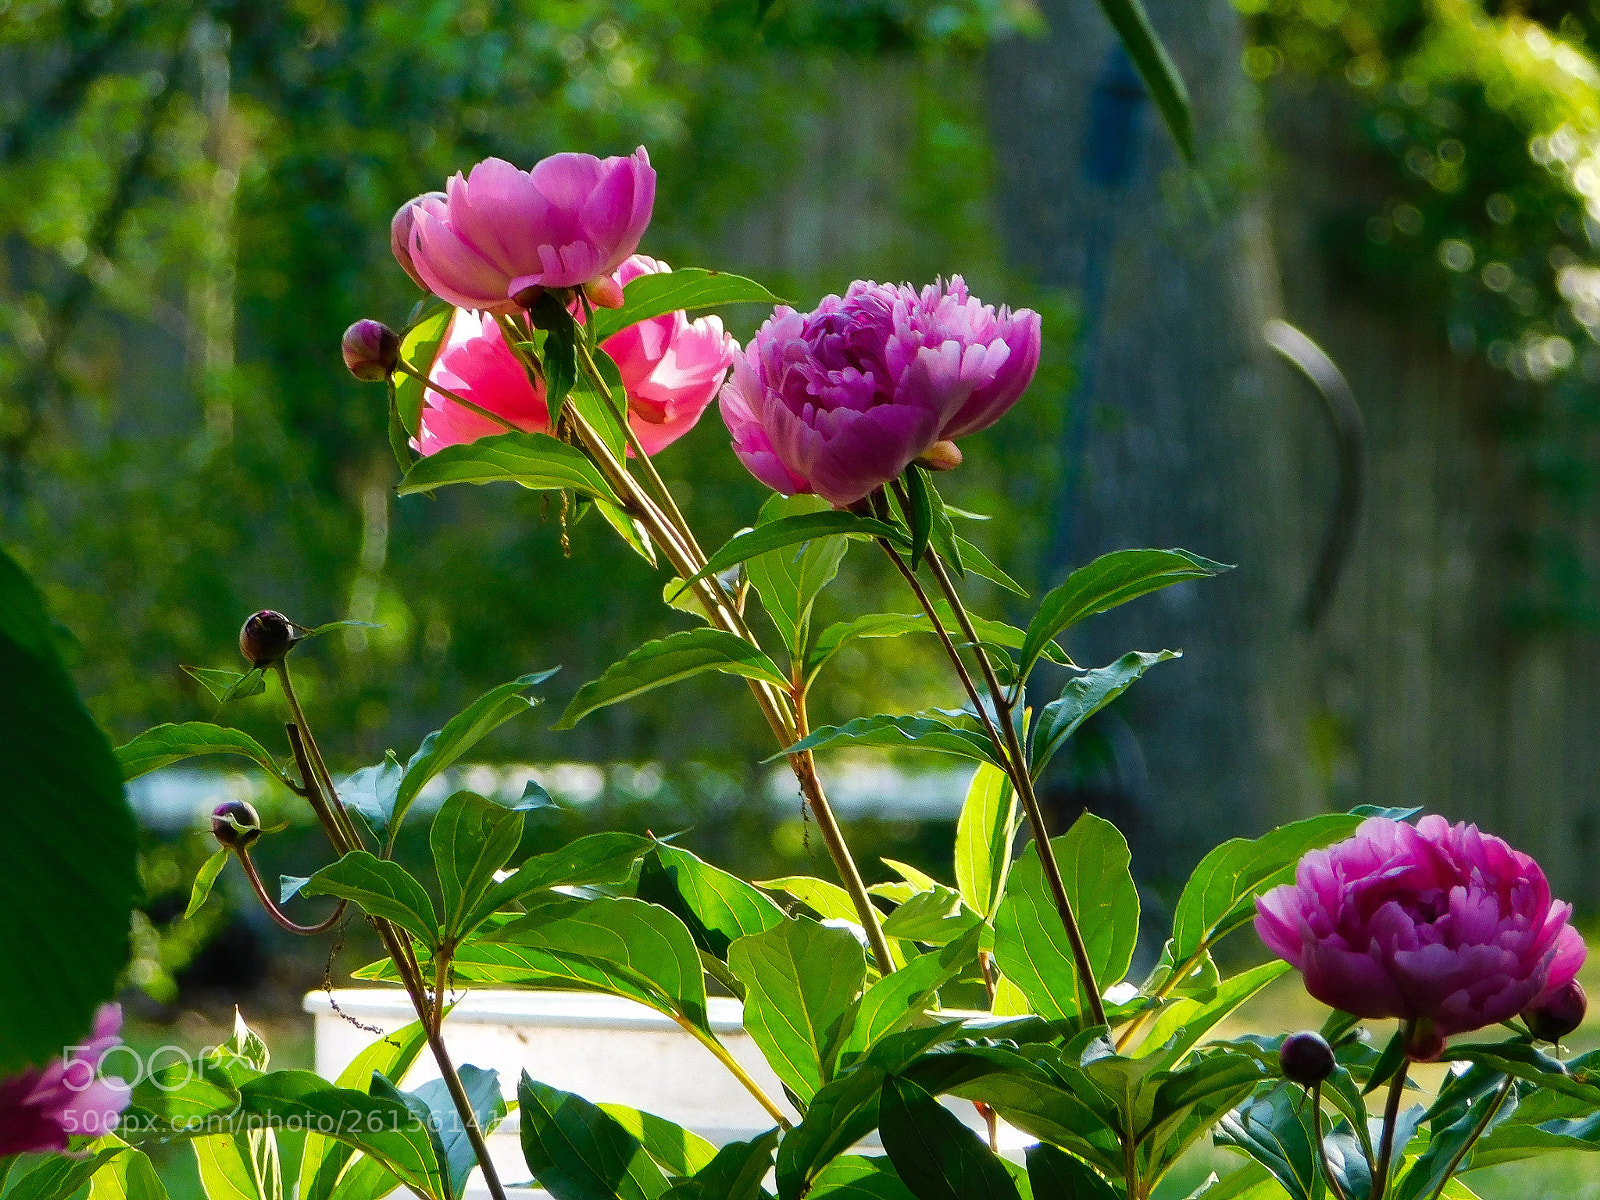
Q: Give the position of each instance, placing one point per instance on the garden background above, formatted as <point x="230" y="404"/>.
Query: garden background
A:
<point x="194" y="199"/>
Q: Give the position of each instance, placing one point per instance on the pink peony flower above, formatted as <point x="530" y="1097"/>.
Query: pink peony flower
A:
<point x="569" y="222"/>
<point x="40" y="1109"/>
<point x="671" y="369"/>
<point x="841" y="400"/>
<point x="1438" y="923"/>
<point x="671" y="366"/>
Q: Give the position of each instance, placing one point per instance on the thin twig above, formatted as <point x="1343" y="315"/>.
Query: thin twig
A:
<point x="1391" y="1114"/>
<point x="1322" y="1153"/>
<point x="1490" y="1109"/>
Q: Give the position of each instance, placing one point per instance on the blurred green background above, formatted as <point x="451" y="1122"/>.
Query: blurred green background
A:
<point x="194" y="203"/>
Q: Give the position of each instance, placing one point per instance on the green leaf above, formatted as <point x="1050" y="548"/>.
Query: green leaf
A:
<point x="472" y="838"/>
<point x="1108" y="581"/>
<point x="238" y="1166"/>
<point x="330" y="1169"/>
<point x="790" y="579"/>
<point x="1084" y="696"/>
<point x="204" y="878"/>
<point x="993" y="634"/>
<point x="382" y="888"/>
<point x="828" y="900"/>
<point x="853" y="1177"/>
<point x="935" y="1155"/>
<point x="985" y="832"/>
<point x="461" y="733"/>
<point x="399" y="439"/>
<point x="935" y="917"/>
<point x="598" y="859"/>
<point x="1191" y="1018"/>
<point x="58" y="1176"/>
<point x="1275" y="1130"/>
<point x="838" y="1117"/>
<point x="679" y="656"/>
<point x="1449" y="1150"/>
<point x="372" y="791"/>
<point x="1030" y="943"/>
<point x="790" y="531"/>
<point x="167" y="744"/>
<point x="381" y="1127"/>
<point x="736" y="1172"/>
<point x="1525" y="1061"/>
<point x="418" y="349"/>
<point x="229" y="685"/>
<point x="1220" y="895"/>
<point x="1156" y="68"/>
<point x="128" y="1176"/>
<point x="1056" y="1175"/>
<point x="488" y="1108"/>
<point x="631" y="531"/>
<point x="718" y="908"/>
<point x="919" y="512"/>
<point x="577" y="1152"/>
<point x="801" y="981"/>
<point x="937" y="734"/>
<point x="978" y="563"/>
<point x="534" y="460"/>
<point x="678" y="1151"/>
<point x="68" y="870"/>
<point x="686" y="289"/>
<point x="623" y="947"/>
<point x="898" y="999"/>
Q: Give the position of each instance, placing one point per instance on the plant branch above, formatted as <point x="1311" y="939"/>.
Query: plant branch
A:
<point x="276" y="913"/>
<point x="1490" y="1109"/>
<point x="736" y="1070"/>
<point x="1391" y="1115"/>
<point x="1322" y="1153"/>
<point x="320" y="768"/>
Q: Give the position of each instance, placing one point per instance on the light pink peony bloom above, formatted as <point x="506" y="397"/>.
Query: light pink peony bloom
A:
<point x="671" y="369"/>
<point x="40" y="1109"/>
<point x="570" y="221"/>
<point x="841" y="400"/>
<point x="1439" y="923"/>
<point x="671" y="366"/>
<point x="475" y="363"/>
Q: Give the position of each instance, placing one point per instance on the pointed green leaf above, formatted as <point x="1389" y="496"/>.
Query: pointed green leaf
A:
<point x="1191" y="1018"/>
<point x="599" y="858"/>
<point x="686" y="289"/>
<point x="59" y="1176"/>
<point x="128" y="1176"/>
<point x="718" y="908"/>
<point x="935" y="917"/>
<point x="577" y="1152"/>
<point x="1056" y="1175"/>
<point x="898" y="999"/>
<point x="1030" y="942"/>
<point x="679" y="656"/>
<point x="919" y="513"/>
<point x="204" y="878"/>
<point x="985" y="833"/>
<point x="791" y="531"/>
<point x="1084" y="696"/>
<point x="854" y="1177"/>
<point x="678" y="1151"/>
<point x="939" y="734"/>
<point x="1275" y="1130"/>
<point x="935" y="1155"/>
<point x="790" y="579"/>
<point x="1108" y="581"/>
<point x="978" y="563"/>
<point x="167" y="744"/>
<point x="461" y="733"/>
<point x="534" y="460"/>
<point x="736" y="1172"/>
<point x="1156" y="68"/>
<point x="382" y="888"/>
<point x="488" y="1108"/>
<point x="801" y="980"/>
<point x="472" y="838"/>
<point x="418" y="349"/>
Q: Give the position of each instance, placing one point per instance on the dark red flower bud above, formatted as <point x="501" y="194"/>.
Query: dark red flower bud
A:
<point x="371" y="350"/>
<point x="1306" y="1058"/>
<point x="266" y="637"/>
<point x="1559" y="1015"/>
<point x="235" y="824"/>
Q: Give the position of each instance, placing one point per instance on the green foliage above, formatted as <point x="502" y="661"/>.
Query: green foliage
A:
<point x="678" y="656"/>
<point x="68" y="871"/>
<point x="578" y="1152"/>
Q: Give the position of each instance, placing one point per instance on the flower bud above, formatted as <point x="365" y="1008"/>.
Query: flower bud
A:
<point x="400" y="234"/>
<point x="941" y="456"/>
<point x="371" y="350"/>
<point x="1426" y="1043"/>
<point x="266" y="637"/>
<point x="1559" y="1014"/>
<point x="235" y="824"/>
<point x="1306" y="1058"/>
<point x="604" y="292"/>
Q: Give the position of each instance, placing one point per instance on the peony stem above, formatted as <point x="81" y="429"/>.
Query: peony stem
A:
<point x="276" y="913"/>
<point x="1322" y="1153"/>
<point x="461" y="400"/>
<point x="1490" y="1109"/>
<point x="1391" y="1116"/>
<point x="1009" y="748"/>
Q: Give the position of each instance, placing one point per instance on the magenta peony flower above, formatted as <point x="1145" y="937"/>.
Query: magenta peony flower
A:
<point x="569" y="222"/>
<point x="40" y="1109"/>
<point x="841" y="400"/>
<point x="671" y="368"/>
<point x="1438" y="923"/>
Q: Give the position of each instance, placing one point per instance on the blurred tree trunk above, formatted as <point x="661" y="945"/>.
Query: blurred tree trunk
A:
<point x="1181" y="432"/>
